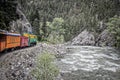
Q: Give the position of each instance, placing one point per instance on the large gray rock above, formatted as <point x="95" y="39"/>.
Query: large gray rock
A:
<point x="21" y="25"/>
<point x="105" y="39"/>
<point x="84" y="38"/>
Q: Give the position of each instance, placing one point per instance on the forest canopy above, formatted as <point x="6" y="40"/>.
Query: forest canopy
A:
<point x="77" y="14"/>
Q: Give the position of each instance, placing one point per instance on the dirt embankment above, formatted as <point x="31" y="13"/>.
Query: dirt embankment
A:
<point x="18" y="64"/>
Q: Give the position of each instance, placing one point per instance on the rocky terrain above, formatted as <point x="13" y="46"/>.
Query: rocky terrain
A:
<point x="84" y="38"/>
<point x="17" y="65"/>
<point x="105" y="38"/>
<point x="74" y="62"/>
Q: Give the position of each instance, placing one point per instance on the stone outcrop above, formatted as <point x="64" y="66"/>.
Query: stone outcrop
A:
<point x="84" y="38"/>
<point x="105" y="39"/>
<point x="21" y="25"/>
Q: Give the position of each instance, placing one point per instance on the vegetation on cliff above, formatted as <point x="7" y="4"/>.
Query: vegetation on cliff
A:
<point x="77" y="15"/>
<point x="7" y="13"/>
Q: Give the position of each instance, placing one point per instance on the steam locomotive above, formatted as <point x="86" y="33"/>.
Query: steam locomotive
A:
<point x="14" y="40"/>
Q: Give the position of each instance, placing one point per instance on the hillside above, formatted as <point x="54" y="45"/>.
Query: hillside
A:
<point x="76" y="16"/>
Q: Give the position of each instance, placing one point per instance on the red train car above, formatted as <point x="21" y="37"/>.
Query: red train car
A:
<point x="9" y="40"/>
<point x="24" y="41"/>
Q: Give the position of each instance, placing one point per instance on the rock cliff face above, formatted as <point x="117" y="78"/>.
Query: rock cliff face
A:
<point x="88" y="38"/>
<point x="21" y="25"/>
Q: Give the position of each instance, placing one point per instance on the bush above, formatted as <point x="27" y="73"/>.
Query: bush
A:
<point x="114" y="27"/>
<point x="45" y="69"/>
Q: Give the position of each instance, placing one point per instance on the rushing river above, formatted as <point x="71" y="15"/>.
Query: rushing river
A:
<point x="90" y="63"/>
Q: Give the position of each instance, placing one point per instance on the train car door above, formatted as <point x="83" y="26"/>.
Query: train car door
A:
<point x="2" y="42"/>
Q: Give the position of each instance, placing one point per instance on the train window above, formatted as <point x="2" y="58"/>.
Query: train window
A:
<point x="1" y="35"/>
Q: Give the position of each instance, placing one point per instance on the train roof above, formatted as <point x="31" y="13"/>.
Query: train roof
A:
<point x="8" y="33"/>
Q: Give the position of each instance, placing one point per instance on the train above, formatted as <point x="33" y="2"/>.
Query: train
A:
<point x="10" y="40"/>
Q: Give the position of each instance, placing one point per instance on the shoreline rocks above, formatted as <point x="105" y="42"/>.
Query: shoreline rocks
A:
<point x="105" y="38"/>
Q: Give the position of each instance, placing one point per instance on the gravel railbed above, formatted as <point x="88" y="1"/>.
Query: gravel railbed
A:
<point x="17" y="65"/>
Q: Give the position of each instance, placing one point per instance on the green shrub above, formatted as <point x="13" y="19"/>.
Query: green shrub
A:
<point x="114" y="27"/>
<point x="45" y="69"/>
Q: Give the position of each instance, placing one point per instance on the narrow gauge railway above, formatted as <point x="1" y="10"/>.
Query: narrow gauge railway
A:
<point x="9" y="41"/>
